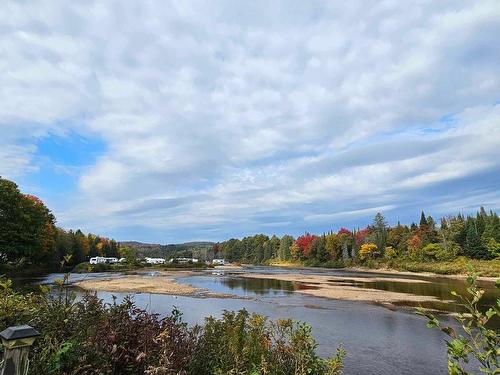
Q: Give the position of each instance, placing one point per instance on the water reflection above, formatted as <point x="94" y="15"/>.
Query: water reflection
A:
<point x="242" y="286"/>
<point x="440" y="288"/>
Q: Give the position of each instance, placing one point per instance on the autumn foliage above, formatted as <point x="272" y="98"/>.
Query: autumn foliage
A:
<point x="304" y="244"/>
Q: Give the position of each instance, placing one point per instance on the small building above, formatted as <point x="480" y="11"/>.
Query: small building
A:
<point x="219" y="262"/>
<point x="155" y="260"/>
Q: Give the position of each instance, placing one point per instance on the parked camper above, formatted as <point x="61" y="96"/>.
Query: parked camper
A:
<point x="219" y="262"/>
<point x="103" y="260"/>
<point x="183" y="260"/>
<point x="155" y="260"/>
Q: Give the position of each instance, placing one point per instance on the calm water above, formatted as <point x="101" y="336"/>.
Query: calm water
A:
<point x="378" y="339"/>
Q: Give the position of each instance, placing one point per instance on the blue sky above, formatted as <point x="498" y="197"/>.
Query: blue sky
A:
<point x="174" y="121"/>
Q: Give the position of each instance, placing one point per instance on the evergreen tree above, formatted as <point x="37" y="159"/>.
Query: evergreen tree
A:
<point x="480" y="224"/>
<point x="423" y="220"/>
<point x="379" y="232"/>
<point x="284" y="248"/>
<point x="473" y="245"/>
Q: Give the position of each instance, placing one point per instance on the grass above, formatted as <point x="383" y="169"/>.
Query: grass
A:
<point x="458" y="266"/>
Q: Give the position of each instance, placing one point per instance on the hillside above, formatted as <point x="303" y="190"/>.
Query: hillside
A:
<point x="200" y="249"/>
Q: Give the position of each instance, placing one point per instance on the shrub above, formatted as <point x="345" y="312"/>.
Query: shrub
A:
<point x="90" y="337"/>
<point x="241" y="343"/>
<point x="477" y="340"/>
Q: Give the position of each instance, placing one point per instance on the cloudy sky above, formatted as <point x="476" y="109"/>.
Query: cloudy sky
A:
<point x="172" y="121"/>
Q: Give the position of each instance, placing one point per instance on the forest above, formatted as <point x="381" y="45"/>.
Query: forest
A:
<point x="453" y="238"/>
<point x="29" y="235"/>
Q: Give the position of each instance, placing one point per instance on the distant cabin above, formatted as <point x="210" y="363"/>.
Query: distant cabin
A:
<point x="219" y="262"/>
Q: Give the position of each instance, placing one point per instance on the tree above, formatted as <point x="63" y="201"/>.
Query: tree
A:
<point x="473" y="246"/>
<point x="284" y="248"/>
<point x="128" y="253"/>
<point x="304" y="243"/>
<point x="423" y="220"/>
<point x="379" y="232"/>
<point x="318" y="250"/>
<point x="26" y="226"/>
<point x="368" y="251"/>
<point x="333" y="246"/>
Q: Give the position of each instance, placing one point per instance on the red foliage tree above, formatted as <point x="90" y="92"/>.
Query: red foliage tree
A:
<point x="344" y="231"/>
<point x="361" y="236"/>
<point x="304" y="243"/>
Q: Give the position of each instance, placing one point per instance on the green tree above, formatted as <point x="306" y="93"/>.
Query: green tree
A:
<point x="379" y="232"/>
<point x="423" y="220"/>
<point x="284" y="248"/>
<point x="26" y="226"/>
<point x="473" y="246"/>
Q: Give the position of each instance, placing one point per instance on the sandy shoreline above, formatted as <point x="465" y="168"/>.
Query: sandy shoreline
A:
<point x="324" y="286"/>
<point x="385" y="271"/>
<point x="315" y="285"/>
<point x="164" y="283"/>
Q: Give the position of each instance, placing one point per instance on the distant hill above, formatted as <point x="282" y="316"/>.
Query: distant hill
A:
<point x="199" y="249"/>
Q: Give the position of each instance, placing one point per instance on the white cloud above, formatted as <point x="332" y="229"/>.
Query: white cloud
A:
<point x="236" y="111"/>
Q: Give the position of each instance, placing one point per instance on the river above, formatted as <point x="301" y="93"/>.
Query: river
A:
<point x="379" y="338"/>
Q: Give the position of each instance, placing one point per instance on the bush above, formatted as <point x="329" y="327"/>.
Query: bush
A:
<point x="91" y="337"/>
<point x="241" y="343"/>
<point x="477" y="340"/>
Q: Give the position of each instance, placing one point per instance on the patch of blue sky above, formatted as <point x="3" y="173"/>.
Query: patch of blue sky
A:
<point x="59" y="160"/>
<point x="70" y="149"/>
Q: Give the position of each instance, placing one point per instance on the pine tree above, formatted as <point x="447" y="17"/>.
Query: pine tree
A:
<point x="380" y="232"/>
<point x="480" y="224"/>
<point x="473" y="245"/>
<point x="423" y="220"/>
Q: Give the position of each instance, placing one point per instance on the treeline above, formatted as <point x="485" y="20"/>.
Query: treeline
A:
<point x="475" y="237"/>
<point x="28" y="233"/>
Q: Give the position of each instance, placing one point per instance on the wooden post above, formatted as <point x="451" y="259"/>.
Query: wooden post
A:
<point x="17" y="342"/>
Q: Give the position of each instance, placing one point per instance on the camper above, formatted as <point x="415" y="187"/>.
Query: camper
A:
<point x="183" y="260"/>
<point x="218" y="262"/>
<point x="155" y="260"/>
<point x="103" y="260"/>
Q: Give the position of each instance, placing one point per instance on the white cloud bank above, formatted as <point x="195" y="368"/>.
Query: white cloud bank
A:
<point x="219" y="116"/>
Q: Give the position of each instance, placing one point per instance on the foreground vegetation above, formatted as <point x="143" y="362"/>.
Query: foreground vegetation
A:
<point x="91" y="337"/>
<point x="475" y="339"/>
<point x="88" y="336"/>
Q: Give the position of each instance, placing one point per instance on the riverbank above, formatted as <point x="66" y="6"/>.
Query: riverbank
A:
<point x="344" y="288"/>
<point x="325" y="286"/>
<point x="486" y="269"/>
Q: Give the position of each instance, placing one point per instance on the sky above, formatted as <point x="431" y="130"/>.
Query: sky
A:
<point x="170" y="121"/>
